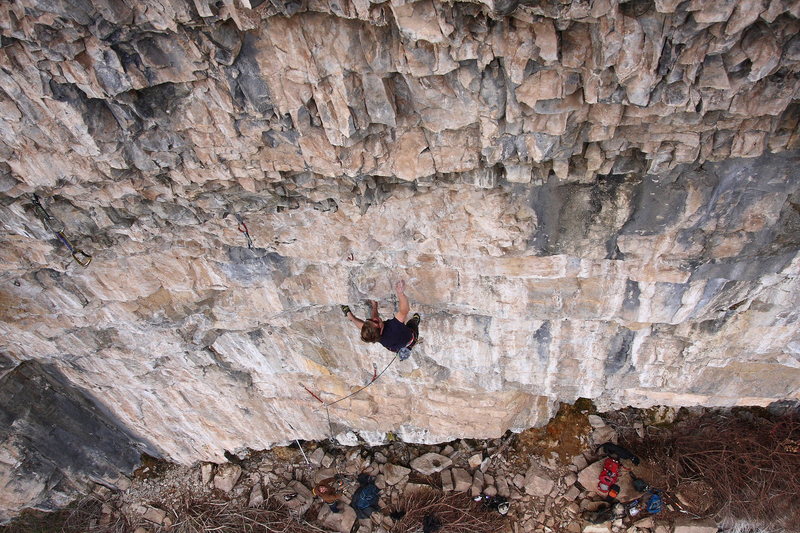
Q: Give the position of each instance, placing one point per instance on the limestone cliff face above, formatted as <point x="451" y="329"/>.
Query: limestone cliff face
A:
<point x="588" y="199"/>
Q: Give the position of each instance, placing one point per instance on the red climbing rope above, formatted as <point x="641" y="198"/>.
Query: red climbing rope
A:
<point x="375" y="377"/>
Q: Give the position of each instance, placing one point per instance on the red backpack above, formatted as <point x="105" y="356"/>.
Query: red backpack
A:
<point x="609" y="476"/>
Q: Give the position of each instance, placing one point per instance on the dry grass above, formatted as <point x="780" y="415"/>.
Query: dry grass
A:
<point x="740" y="466"/>
<point x="84" y="516"/>
<point x="197" y="515"/>
<point x="457" y="513"/>
<point x="192" y="516"/>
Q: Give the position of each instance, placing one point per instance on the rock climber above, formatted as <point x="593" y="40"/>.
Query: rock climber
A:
<point x="329" y="490"/>
<point x="393" y="334"/>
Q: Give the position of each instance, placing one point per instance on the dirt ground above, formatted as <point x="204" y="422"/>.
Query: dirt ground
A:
<point x="566" y="435"/>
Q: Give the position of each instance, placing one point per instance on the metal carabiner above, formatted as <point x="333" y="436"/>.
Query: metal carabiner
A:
<point x="87" y="258"/>
<point x="76" y="252"/>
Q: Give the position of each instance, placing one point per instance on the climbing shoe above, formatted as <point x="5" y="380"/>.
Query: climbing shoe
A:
<point x="345" y="309"/>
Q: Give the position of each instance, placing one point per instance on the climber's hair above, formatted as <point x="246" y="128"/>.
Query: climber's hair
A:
<point x="370" y="332"/>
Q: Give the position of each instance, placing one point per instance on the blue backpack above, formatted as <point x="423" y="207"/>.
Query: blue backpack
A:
<point x="365" y="498"/>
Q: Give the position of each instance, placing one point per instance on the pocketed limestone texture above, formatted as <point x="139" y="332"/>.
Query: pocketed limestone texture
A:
<point x="590" y="199"/>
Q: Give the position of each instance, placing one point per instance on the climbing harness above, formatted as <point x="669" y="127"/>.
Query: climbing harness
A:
<point x="243" y="228"/>
<point x="375" y="376"/>
<point x="57" y="227"/>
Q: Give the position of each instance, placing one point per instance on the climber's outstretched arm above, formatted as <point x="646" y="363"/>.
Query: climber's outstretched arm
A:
<point x="402" y="313"/>
<point x="352" y="318"/>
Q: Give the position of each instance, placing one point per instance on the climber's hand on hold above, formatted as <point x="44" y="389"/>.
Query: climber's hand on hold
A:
<point x="374" y="312"/>
<point x="402" y="312"/>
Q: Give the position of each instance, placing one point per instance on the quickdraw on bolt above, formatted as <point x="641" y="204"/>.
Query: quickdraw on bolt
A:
<point x="57" y="227"/>
<point x="243" y="228"/>
<point x="80" y="257"/>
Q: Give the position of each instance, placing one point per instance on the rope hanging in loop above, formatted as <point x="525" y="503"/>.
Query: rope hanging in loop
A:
<point x="327" y="405"/>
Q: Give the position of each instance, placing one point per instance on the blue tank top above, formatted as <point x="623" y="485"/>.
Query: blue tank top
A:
<point x="395" y="335"/>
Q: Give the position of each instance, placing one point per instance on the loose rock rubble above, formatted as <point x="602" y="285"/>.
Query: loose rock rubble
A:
<point x="546" y="494"/>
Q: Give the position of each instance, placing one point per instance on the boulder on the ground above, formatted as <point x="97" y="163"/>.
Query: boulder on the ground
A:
<point x="604" y="434"/>
<point x="256" y="498"/>
<point x="317" y="456"/>
<point x="477" y="484"/>
<point x="323" y="473"/>
<point x="462" y="480"/>
<point x="537" y="481"/>
<point x="295" y="496"/>
<point x="580" y="461"/>
<point x="645" y="523"/>
<point x="430" y="463"/>
<point x="155" y="515"/>
<point x="475" y="460"/>
<point x="596" y="422"/>
<point x="394" y="474"/>
<point x="572" y="494"/>
<point x="447" y="480"/>
<point x="227" y="476"/>
<point x="206" y="473"/>
<point x="342" y="521"/>
<point x="502" y="487"/>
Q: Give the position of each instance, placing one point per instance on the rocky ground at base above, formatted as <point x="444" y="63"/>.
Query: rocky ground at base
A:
<point x="548" y="475"/>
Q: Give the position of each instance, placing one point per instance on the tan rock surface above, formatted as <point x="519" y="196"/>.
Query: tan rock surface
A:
<point x="554" y="182"/>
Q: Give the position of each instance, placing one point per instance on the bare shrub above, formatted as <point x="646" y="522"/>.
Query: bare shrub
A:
<point x="82" y="516"/>
<point x="192" y="515"/>
<point x="456" y="513"/>
<point x="196" y="515"/>
<point x="748" y="461"/>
